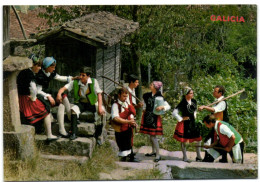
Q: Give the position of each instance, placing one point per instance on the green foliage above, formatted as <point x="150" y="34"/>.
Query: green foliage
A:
<point x="184" y="47"/>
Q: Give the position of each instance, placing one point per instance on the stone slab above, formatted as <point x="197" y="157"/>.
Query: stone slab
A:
<point x="21" y="144"/>
<point x="16" y="63"/>
<point x="63" y="146"/>
<point x="79" y="159"/>
<point x="136" y="165"/>
<point x="173" y="167"/>
<point x="84" y="129"/>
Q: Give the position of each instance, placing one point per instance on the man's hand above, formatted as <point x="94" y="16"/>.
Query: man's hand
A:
<point x="101" y="111"/>
<point x="207" y="146"/>
<point x="52" y="101"/>
<point x="201" y="108"/>
<point x="59" y="99"/>
<point x="75" y="78"/>
<point x="131" y="122"/>
<point x="140" y="104"/>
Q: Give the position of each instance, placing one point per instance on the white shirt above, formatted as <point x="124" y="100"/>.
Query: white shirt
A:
<point x="175" y="113"/>
<point x="224" y="129"/>
<point x="115" y="111"/>
<point x="83" y="87"/>
<point x="133" y="93"/>
<point x="57" y="77"/>
<point x="33" y="89"/>
<point x="221" y="106"/>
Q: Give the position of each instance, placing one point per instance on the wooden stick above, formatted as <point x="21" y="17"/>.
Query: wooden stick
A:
<point x="227" y="97"/>
<point x="221" y="148"/>
<point x="121" y="86"/>
<point x="20" y="22"/>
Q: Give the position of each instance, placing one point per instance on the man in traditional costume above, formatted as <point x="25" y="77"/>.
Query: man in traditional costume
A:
<point x="226" y="139"/>
<point x="123" y="122"/>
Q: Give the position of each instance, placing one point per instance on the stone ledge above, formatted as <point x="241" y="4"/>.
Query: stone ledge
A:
<point x="16" y="63"/>
<point x="79" y="159"/>
<point x="84" y="129"/>
<point x="21" y="143"/>
<point x="63" y="146"/>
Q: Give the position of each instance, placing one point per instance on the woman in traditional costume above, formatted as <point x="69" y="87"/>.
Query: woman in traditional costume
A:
<point x="187" y="131"/>
<point x="31" y="108"/>
<point x="151" y="123"/>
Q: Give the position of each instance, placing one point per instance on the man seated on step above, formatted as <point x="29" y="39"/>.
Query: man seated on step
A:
<point x="123" y="122"/>
<point x="87" y="96"/>
<point x="226" y="139"/>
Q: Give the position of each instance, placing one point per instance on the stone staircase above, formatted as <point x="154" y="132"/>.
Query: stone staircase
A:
<point x="79" y="148"/>
<point x="171" y="166"/>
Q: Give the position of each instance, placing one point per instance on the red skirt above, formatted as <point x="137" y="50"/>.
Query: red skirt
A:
<point x="152" y="131"/>
<point x="33" y="111"/>
<point x="185" y="134"/>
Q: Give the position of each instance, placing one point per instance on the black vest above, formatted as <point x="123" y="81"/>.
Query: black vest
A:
<point x="43" y="80"/>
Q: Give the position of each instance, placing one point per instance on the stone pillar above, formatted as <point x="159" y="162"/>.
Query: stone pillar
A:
<point x="18" y="139"/>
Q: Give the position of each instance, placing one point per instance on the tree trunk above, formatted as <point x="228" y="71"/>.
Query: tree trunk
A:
<point x="136" y="65"/>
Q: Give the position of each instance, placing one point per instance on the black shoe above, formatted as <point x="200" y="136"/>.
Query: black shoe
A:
<point x="52" y="139"/>
<point x="99" y="142"/>
<point x="123" y="159"/>
<point x="73" y="136"/>
<point x="157" y="159"/>
<point x="223" y="160"/>
<point x="133" y="159"/>
<point x="150" y="154"/>
<point x="198" y="159"/>
<point x="64" y="136"/>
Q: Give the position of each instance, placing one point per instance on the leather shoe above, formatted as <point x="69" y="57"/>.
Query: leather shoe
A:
<point x="65" y="136"/>
<point x="73" y="136"/>
<point x="133" y="159"/>
<point x="150" y="154"/>
<point x="123" y="159"/>
<point x="52" y="139"/>
<point x="223" y="160"/>
<point x="157" y="159"/>
<point x="198" y="159"/>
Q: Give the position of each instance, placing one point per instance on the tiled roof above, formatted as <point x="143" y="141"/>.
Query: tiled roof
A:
<point x="102" y="27"/>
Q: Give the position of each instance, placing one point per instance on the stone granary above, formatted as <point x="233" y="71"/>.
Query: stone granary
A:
<point x="92" y="40"/>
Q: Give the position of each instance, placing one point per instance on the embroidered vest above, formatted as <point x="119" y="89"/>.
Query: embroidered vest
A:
<point x="125" y="115"/>
<point x="222" y="116"/>
<point x="223" y="139"/>
<point x="91" y="96"/>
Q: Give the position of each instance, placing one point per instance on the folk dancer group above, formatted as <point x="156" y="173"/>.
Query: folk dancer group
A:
<point x="36" y="100"/>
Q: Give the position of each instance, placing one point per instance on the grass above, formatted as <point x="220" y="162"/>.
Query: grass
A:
<point x="40" y="169"/>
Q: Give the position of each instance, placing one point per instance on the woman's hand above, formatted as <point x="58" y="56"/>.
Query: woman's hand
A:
<point x="159" y="108"/>
<point x="52" y="101"/>
<point x="185" y="118"/>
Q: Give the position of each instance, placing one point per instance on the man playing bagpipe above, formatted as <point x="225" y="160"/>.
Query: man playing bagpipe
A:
<point x="123" y="122"/>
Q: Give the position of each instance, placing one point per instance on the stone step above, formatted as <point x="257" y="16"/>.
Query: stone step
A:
<point x="84" y="129"/>
<point x="81" y="146"/>
<point x="86" y="116"/>
<point x="200" y="170"/>
<point x="79" y="159"/>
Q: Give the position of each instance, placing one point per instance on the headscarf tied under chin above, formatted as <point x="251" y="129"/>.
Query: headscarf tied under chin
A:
<point x="158" y="85"/>
<point x="187" y="90"/>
